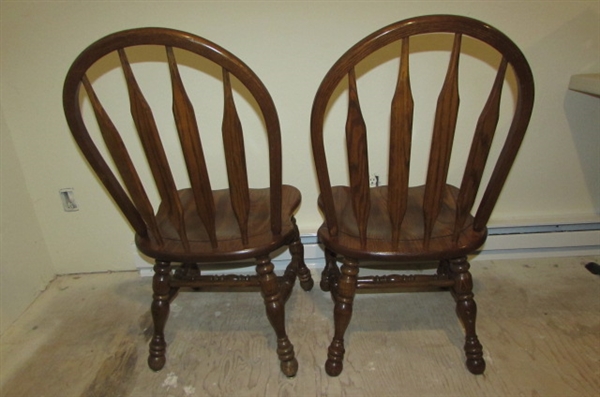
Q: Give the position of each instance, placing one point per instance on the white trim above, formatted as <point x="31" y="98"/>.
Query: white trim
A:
<point x="504" y="242"/>
<point x="580" y="239"/>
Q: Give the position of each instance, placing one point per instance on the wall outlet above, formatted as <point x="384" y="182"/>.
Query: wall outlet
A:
<point x="374" y="180"/>
<point x="67" y="196"/>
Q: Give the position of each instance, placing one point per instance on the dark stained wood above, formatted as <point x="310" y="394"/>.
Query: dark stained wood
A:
<point x="235" y="159"/>
<point x="480" y="149"/>
<point x="274" y="305"/>
<point x="415" y="223"/>
<point x="466" y="308"/>
<point x="123" y="162"/>
<point x="358" y="161"/>
<point x="516" y="133"/>
<point x="400" y="144"/>
<point x="187" y="127"/>
<point x="194" y="225"/>
<point x="403" y="280"/>
<point x="148" y="133"/>
<point x="160" y="313"/>
<point x="441" y="147"/>
<point x="344" y="300"/>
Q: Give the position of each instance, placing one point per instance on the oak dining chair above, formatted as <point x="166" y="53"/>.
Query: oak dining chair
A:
<point x="180" y="220"/>
<point x="416" y="217"/>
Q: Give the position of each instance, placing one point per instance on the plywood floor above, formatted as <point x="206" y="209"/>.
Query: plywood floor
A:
<point x="539" y="321"/>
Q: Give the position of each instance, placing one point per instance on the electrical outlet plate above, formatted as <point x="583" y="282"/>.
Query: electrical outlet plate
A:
<point x="374" y="180"/>
<point x="67" y="196"/>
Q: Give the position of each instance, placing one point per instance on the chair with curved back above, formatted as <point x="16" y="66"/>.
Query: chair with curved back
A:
<point x="400" y="223"/>
<point x="192" y="226"/>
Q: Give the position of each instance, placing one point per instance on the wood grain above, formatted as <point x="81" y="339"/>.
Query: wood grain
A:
<point x="189" y="136"/>
<point x="358" y="160"/>
<point x="480" y="149"/>
<point x="148" y="133"/>
<point x="235" y="158"/>
<point x="442" y="139"/>
<point x="123" y="162"/>
<point x="400" y="144"/>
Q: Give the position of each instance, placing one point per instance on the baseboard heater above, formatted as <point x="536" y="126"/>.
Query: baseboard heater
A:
<point x="504" y="242"/>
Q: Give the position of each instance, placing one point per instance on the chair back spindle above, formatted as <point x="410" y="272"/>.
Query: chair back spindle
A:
<point x="123" y="161"/>
<point x="193" y="153"/>
<point x="154" y="150"/>
<point x="480" y="150"/>
<point x="235" y="159"/>
<point x="358" y="161"/>
<point x="441" y="147"/>
<point x="401" y="125"/>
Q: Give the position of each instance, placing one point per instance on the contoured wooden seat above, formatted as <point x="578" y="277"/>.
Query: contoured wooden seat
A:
<point x="434" y="219"/>
<point x="191" y="225"/>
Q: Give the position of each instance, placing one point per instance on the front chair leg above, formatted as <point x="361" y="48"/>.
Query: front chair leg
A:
<point x="342" y="313"/>
<point x="276" y="314"/>
<point x="466" y="309"/>
<point x="160" y="313"/>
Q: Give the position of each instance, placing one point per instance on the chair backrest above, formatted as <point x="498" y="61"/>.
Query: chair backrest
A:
<point x="445" y="120"/>
<point x="130" y="193"/>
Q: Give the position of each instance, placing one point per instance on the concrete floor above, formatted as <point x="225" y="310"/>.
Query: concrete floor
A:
<point x="86" y="335"/>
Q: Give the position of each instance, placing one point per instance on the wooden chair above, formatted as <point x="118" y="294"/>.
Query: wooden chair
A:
<point x="192" y="226"/>
<point x="399" y="222"/>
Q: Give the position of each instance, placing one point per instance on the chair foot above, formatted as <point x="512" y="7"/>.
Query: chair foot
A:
<point x="335" y="358"/>
<point x="333" y="368"/>
<point x="476" y="367"/>
<point x="474" y="352"/>
<point x="289" y="368"/>
<point x="156" y="362"/>
<point x="307" y="285"/>
<point x="287" y="357"/>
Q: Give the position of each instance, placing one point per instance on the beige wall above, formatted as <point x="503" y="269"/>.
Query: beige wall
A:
<point x="25" y="264"/>
<point x="290" y="45"/>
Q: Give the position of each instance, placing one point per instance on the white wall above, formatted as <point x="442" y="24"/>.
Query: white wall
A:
<point x="25" y="264"/>
<point x="290" y="45"/>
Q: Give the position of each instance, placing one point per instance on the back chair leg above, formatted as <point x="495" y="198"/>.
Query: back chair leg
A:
<point x="466" y="309"/>
<point x="297" y="252"/>
<point x="276" y="313"/>
<point x="342" y="313"/>
<point x="160" y="313"/>
<point x="330" y="273"/>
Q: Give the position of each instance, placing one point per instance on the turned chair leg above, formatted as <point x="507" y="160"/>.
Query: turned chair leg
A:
<point x="466" y="309"/>
<point x="342" y="313"/>
<point x="276" y="313"/>
<point x="160" y="313"/>
<point x="297" y="251"/>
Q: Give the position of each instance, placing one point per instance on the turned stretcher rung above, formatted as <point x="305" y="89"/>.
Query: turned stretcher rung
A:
<point x="402" y="281"/>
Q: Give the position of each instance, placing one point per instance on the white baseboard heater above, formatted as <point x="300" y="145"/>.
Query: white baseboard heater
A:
<point x="503" y="242"/>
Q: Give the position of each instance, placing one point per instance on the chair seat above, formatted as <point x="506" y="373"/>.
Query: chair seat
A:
<point x="230" y="246"/>
<point x="379" y="244"/>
